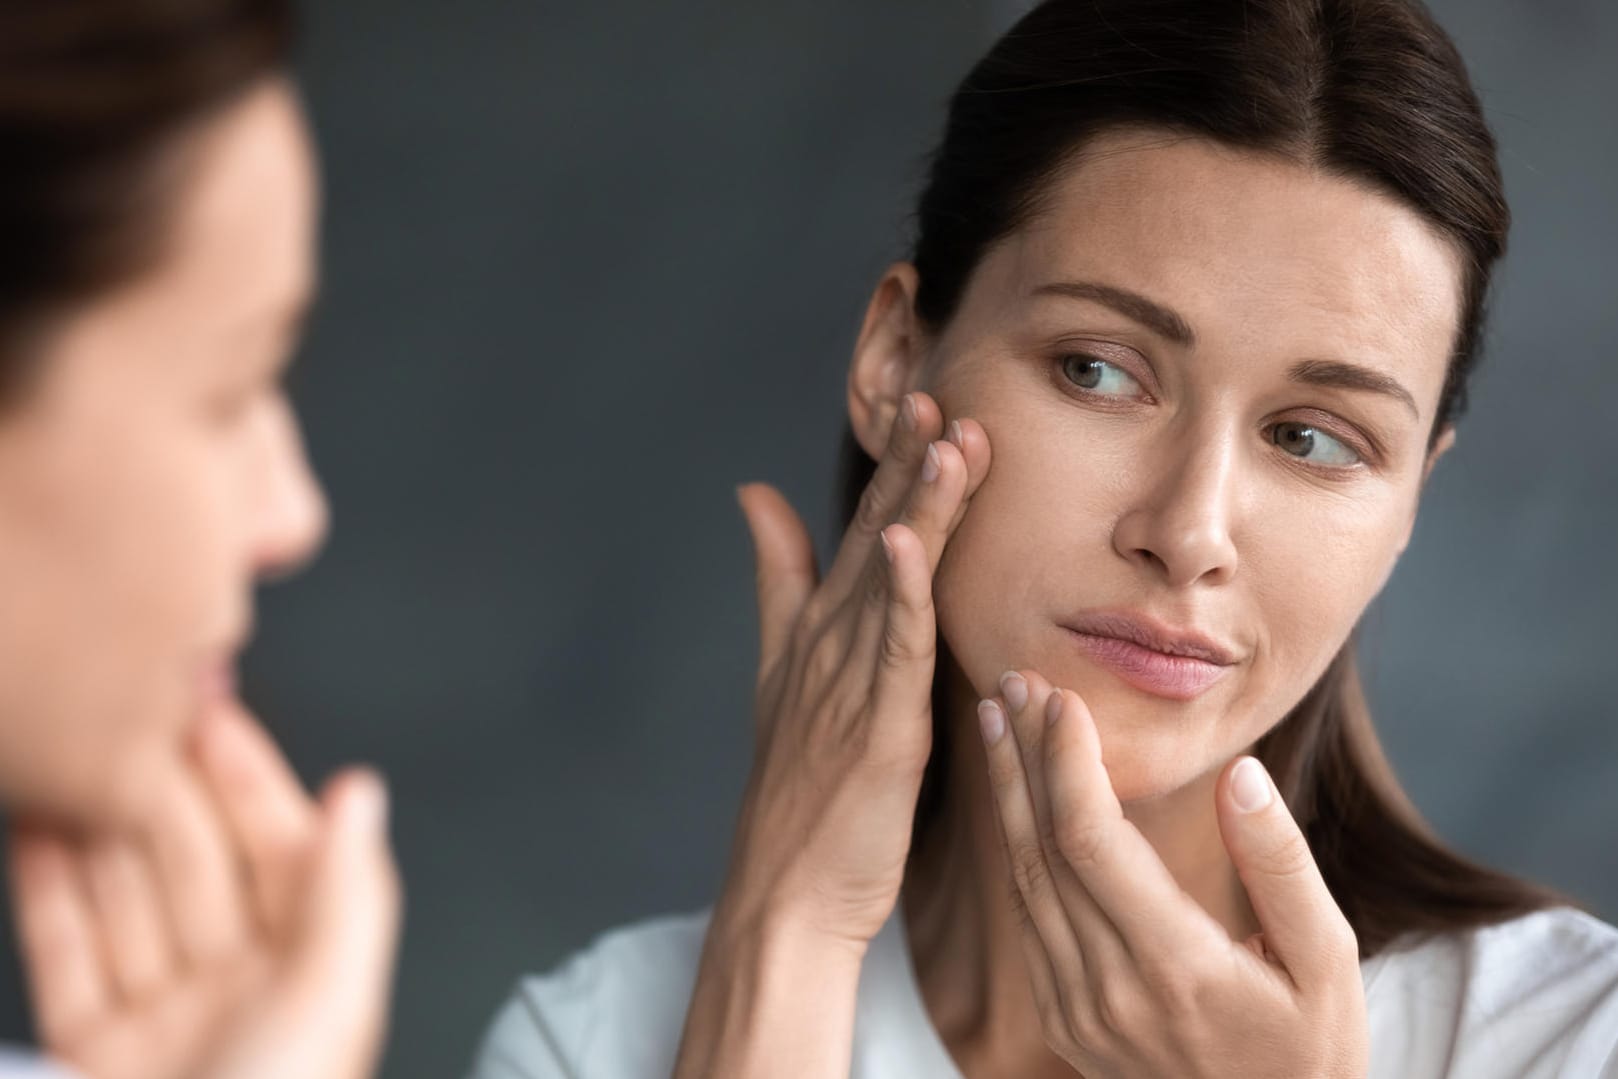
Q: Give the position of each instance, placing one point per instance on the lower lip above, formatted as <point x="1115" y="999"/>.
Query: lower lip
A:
<point x="1177" y="677"/>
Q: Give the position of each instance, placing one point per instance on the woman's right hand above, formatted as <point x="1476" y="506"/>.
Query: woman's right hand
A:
<point x="844" y="691"/>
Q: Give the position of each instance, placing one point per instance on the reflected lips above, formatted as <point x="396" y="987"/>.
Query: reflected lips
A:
<point x="1165" y="663"/>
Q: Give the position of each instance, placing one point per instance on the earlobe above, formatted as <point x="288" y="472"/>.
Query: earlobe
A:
<point x="886" y="358"/>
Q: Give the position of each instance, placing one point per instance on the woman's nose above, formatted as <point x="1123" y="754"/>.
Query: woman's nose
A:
<point x="291" y="516"/>
<point x="1179" y="528"/>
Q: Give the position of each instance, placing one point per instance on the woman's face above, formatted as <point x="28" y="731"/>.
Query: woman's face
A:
<point x="149" y="474"/>
<point x="1208" y="378"/>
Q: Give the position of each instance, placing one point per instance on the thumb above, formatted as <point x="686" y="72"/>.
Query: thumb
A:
<point x="1302" y="924"/>
<point x="784" y="557"/>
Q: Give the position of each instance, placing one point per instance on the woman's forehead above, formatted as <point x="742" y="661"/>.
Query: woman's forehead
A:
<point x="1248" y="248"/>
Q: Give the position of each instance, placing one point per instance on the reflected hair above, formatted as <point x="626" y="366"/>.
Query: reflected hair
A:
<point x="1372" y="91"/>
<point x="96" y="97"/>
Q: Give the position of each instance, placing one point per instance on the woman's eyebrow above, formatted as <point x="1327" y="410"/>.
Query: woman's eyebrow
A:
<point x="1168" y="324"/>
<point x="1350" y="376"/>
<point x="1154" y="316"/>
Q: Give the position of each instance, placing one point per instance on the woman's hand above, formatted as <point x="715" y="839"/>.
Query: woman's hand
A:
<point x="247" y="932"/>
<point x="1132" y="976"/>
<point x="844" y="712"/>
<point x="844" y="691"/>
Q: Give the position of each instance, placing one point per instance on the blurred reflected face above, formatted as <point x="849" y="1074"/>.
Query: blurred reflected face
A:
<point x="149" y="475"/>
<point x="1208" y="378"/>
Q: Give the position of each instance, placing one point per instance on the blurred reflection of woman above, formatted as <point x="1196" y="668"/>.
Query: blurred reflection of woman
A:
<point x="184" y="908"/>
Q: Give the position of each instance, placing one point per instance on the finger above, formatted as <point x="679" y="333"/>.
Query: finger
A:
<point x="1116" y="865"/>
<point x="919" y="422"/>
<point x="933" y="508"/>
<point x="1302" y="924"/>
<point x="927" y="516"/>
<point x="1019" y="833"/>
<point x="784" y="562"/>
<point x="1026" y="695"/>
<point x="129" y="913"/>
<point x="67" y="979"/>
<point x="198" y="872"/>
<point x="273" y="822"/>
<point x="342" y="967"/>
<point x="973" y="442"/>
<point x="902" y="686"/>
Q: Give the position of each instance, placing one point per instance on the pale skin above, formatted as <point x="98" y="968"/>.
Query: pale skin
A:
<point x="185" y="908"/>
<point x="1095" y="900"/>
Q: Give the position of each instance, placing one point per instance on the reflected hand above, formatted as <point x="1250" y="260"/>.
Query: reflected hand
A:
<point x="245" y="932"/>
<point x="1131" y="975"/>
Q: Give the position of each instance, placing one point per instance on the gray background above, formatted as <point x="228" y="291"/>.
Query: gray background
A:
<point x="590" y="265"/>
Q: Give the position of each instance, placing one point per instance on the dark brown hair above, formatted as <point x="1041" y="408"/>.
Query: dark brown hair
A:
<point x="95" y="95"/>
<point x="1370" y="90"/>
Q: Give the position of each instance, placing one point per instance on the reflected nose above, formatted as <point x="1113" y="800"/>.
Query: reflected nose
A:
<point x="1179" y="530"/>
<point x="292" y="514"/>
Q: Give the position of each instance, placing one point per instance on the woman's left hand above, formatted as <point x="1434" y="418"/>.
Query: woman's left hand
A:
<point x="1131" y="975"/>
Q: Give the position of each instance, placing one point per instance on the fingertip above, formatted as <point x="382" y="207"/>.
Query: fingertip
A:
<point x="358" y="799"/>
<point x="1248" y="786"/>
<point x="222" y="742"/>
<point x="1054" y="707"/>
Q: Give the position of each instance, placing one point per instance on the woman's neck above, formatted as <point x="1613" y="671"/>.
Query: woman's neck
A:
<point x="963" y="931"/>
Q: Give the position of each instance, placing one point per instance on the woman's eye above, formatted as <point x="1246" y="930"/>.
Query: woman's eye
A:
<point x="1099" y="376"/>
<point x="1312" y="444"/>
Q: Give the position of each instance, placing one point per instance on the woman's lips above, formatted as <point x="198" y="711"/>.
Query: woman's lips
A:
<point x="1177" y="677"/>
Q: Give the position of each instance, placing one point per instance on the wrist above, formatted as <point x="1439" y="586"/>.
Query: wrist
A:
<point x="773" y="992"/>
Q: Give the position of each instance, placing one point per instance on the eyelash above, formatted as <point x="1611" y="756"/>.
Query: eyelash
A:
<point x="1361" y="446"/>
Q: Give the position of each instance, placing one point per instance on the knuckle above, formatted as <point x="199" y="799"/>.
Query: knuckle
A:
<point x="870" y="512"/>
<point x="1344" y="943"/>
<point x="1289" y="857"/>
<point x="1030" y="870"/>
<point x="891" y="755"/>
<point x="1004" y="770"/>
<point x="895" y="650"/>
<point x="1119" y="1008"/>
<point x="815" y="610"/>
<point x="1178" y="984"/>
<point x="824" y="658"/>
<point x="1081" y="842"/>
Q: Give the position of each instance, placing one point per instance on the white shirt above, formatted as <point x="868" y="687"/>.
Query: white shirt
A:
<point x="23" y="1064"/>
<point x="1533" y="997"/>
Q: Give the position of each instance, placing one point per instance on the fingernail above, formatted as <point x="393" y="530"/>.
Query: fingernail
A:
<point x="992" y="720"/>
<point x="1053" y="708"/>
<point x="1249" y="787"/>
<point x="907" y="410"/>
<point x="887" y="546"/>
<point x="955" y="434"/>
<point x="930" y="466"/>
<point x="1014" y="688"/>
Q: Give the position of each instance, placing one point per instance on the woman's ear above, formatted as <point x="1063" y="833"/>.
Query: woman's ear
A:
<point x="1446" y="439"/>
<point x="887" y="358"/>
